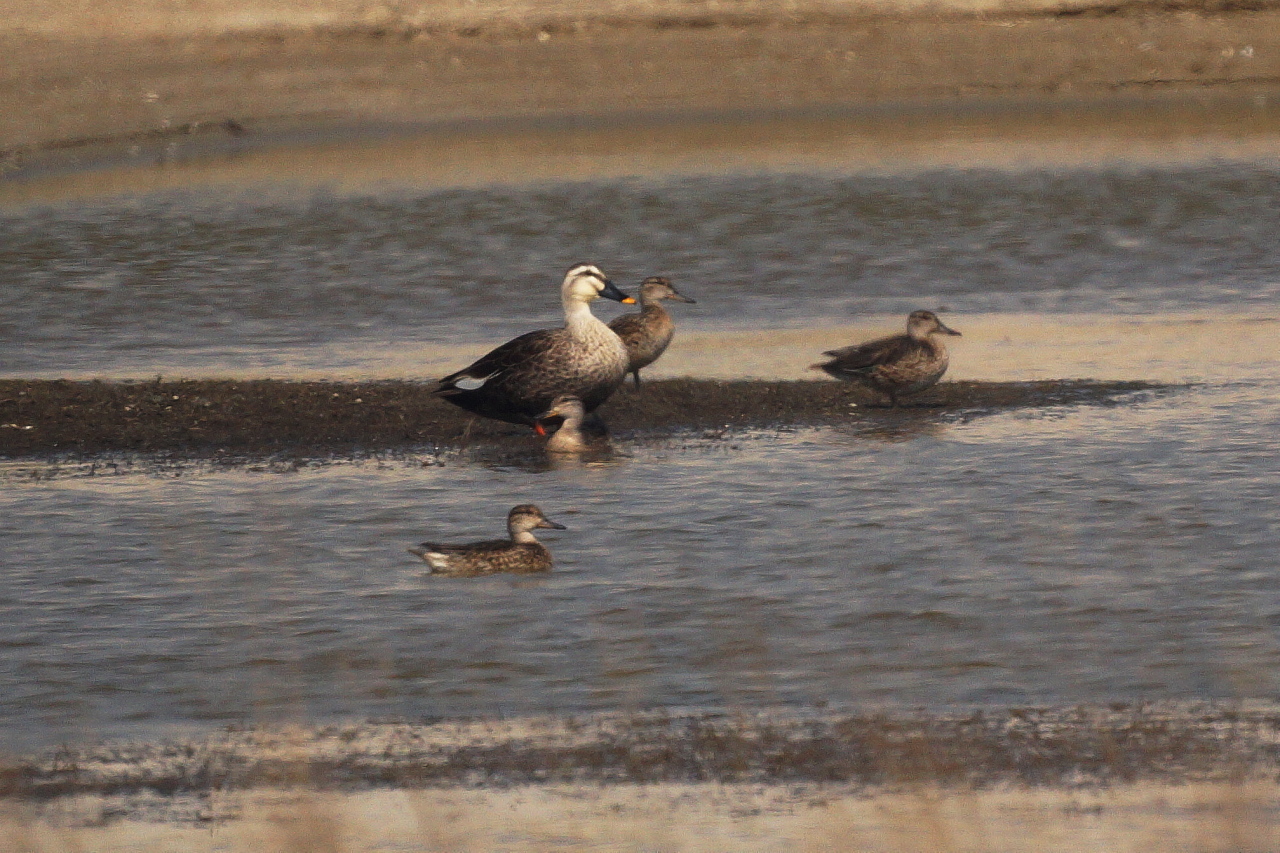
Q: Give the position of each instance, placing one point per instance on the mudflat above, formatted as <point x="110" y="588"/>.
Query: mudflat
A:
<point x="213" y="418"/>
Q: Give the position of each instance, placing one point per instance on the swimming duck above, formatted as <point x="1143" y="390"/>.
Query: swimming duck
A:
<point x="648" y="332"/>
<point x="896" y="365"/>
<point x="520" y="554"/>
<point x="517" y="381"/>
<point x="568" y="438"/>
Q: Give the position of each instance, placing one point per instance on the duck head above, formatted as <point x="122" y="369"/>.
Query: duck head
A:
<point x="656" y="287"/>
<point x="922" y="324"/>
<point x="586" y="283"/>
<point x="527" y="517"/>
<point x="565" y="406"/>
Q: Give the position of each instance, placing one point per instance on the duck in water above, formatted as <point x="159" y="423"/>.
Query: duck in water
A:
<point x="520" y="554"/>
<point x="648" y="332"/>
<point x="897" y="365"/>
<point x="517" y="381"/>
<point x="568" y="438"/>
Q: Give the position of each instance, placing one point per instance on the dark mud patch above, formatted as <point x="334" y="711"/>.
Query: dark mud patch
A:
<point x="237" y="419"/>
<point x="1073" y="746"/>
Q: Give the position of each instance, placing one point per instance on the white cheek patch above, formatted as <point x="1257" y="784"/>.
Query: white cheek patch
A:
<point x="436" y="561"/>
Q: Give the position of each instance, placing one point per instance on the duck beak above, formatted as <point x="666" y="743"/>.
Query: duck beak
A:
<point x="537" y="427"/>
<point x="551" y="525"/>
<point x="947" y="330"/>
<point x="681" y="298"/>
<point x="610" y="291"/>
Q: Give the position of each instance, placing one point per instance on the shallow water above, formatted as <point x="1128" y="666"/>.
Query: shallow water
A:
<point x="1093" y="553"/>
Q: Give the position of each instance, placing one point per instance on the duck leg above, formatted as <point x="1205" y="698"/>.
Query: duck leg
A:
<point x="595" y="425"/>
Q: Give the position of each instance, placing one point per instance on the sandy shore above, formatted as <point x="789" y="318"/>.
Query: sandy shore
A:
<point x="1221" y="817"/>
<point x="80" y="87"/>
<point x="1088" y="778"/>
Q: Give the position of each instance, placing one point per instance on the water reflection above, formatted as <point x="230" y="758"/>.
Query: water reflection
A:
<point x="892" y="429"/>
<point x="536" y="460"/>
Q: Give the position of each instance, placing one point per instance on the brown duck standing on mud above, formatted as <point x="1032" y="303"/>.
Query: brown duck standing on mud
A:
<point x="897" y="365"/>
<point x="520" y="554"/>
<point x="517" y="381"/>
<point x="648" y="332"/>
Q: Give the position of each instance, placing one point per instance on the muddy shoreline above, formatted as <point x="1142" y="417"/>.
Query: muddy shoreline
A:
<point x="265" y="417"/>
<point x="1079" y="746"/>
<point x="1143" y="776"/>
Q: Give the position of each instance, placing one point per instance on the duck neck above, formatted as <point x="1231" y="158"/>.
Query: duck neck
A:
<point x="578" y="316"/>
<point x="569" y="436"/>
<point x="521" y="536"/>
<point x="651" y="306"/>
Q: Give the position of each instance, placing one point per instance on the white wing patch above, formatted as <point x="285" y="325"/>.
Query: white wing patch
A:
<point x="471" y="383"/>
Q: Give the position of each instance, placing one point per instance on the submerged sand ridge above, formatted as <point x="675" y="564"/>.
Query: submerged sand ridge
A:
<point x="157" y="17"/>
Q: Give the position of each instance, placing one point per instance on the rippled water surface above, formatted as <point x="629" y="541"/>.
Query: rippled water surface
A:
<point x="1089" y="553"/>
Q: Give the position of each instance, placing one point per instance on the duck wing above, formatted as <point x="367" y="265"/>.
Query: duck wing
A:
<point x="485" y="547"/>
<point x="646" y="334"/>
<point x="629" y="327"/>
<point x="871" y="354"/>
<point x="512" y="355"/>
<point x="517" y="381"/>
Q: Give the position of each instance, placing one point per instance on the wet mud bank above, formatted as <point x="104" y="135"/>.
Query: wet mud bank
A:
<point x="1072" y="746"/>
<point x="260" y="418"/>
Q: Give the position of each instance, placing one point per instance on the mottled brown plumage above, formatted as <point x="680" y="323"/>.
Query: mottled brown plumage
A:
<point x="520" y="554"/>
<point x="897" y="365"/>
<point x="648" y="332"/>
<point x="517" y="381"/>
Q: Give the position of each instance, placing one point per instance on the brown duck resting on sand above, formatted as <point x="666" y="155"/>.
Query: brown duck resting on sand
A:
<point x="520" y="554"/>
<point x="517" y="381"/>
<point x="897" y="365"/>
<point x="648" y="332"/>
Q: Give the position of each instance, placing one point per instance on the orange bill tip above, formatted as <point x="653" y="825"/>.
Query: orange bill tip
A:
<point x="539" y="430"/>
<point x="628" y="301"/>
